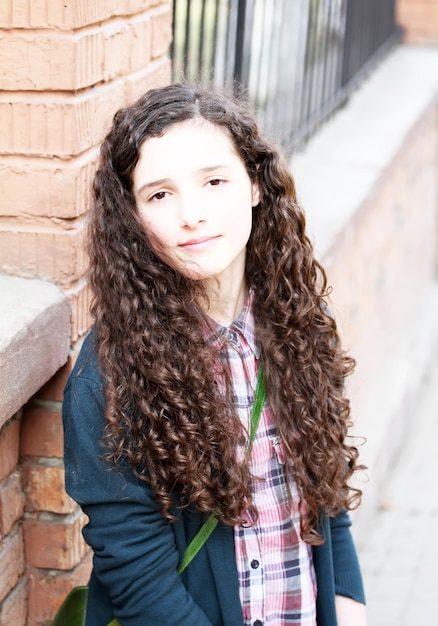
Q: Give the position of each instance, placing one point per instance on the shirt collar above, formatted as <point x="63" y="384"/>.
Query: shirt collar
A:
<point x="242" y="329"/>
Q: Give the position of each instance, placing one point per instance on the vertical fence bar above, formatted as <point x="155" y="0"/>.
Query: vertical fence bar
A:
<point x="215" y="34"/>
<point x="187" y="37"/>
<point x="202" y="61"/>
<point x="240" y="41"/>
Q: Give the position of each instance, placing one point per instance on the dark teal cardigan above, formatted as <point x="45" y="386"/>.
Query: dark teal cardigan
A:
<point x="136" y="552"/>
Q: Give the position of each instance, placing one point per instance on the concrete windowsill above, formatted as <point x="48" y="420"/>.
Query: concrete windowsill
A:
<point x="34" y="338"/>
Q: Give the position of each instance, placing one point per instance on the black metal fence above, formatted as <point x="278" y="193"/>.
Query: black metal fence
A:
<point x="297" y="59"/>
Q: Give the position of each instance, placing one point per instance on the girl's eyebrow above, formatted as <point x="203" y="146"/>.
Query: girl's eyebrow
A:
<point x="165" y="181"/>
<point x="211" y="168"/>
<point x="154" y="183"/>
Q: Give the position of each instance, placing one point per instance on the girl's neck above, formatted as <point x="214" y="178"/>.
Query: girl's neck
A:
<point x="224" y="306"/>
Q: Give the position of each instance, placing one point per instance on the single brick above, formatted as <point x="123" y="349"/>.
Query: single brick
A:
<point x="12" y="561"/>
<point x="161" y="31"/>
<point x="11" y="503"/>
<point x="43" y="486"/>
<point x="41" y="429"/>
<point x="42" y="69"/>
<point x="47" y="590"/>
<point x="50" y="253"/>
<point x="133" y="36"/>
<point x="13" y="609"/>
<point x="9" y="447"/>
<point x="62" y="125"/>
<point x="54" y="543"/>
<point x="66" y="14"/>
<point x="49" y="187"/>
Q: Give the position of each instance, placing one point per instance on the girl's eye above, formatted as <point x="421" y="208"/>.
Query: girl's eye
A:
<point x="215" y="181"/>
<point x="160" y="195"/>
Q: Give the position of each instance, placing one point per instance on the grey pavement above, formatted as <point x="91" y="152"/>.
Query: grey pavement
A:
<point x="399" y="554"/>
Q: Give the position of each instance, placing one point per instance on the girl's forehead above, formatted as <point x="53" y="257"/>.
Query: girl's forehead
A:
<point x="190" y="144"/>
<point x="196" y="130"/>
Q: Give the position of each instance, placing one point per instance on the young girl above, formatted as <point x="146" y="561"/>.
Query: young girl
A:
<point x="202" y="275"/>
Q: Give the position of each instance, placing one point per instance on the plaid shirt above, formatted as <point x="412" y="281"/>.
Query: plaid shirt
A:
<point x="275" y="569"/>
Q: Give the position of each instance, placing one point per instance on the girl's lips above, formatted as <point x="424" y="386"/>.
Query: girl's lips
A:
<point x="198" y="243"/>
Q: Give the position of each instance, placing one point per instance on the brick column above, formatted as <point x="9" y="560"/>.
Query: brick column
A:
<point x="66" y="66"/>
<point x="419" y="18"/>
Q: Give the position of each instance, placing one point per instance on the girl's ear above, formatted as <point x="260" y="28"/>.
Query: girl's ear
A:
<point x="255" y="193"/>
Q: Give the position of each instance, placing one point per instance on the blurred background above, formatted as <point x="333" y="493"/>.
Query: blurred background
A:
<point x="349" y="88"/>
<point x="298" y="61"/>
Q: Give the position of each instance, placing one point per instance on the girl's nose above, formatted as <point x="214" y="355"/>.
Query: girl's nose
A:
<point x="192" y="212"/>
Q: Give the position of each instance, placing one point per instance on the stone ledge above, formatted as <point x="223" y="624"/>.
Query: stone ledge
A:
<point x="34" y="339"/>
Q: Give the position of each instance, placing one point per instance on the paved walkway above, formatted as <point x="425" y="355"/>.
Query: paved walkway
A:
<point x="400" y="555"/>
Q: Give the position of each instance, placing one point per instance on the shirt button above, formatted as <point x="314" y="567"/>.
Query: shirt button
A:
<point x="254" y="565"/>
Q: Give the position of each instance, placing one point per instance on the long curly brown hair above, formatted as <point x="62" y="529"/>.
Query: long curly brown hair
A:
<point x="165" y="411"/>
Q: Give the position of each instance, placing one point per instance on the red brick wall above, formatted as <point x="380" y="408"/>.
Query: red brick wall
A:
<point x="419" y="18"/>
<point x="65" y="67"/>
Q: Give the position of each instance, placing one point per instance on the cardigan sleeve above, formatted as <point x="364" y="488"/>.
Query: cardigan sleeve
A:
<point x="135" y="555"/>
<point x="347" y="574"/>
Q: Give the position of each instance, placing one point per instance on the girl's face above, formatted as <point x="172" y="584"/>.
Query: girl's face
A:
<point x="195" y="199"/>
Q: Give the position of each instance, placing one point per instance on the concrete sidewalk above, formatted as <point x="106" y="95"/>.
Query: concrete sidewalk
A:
<point x="399" y="555"/>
